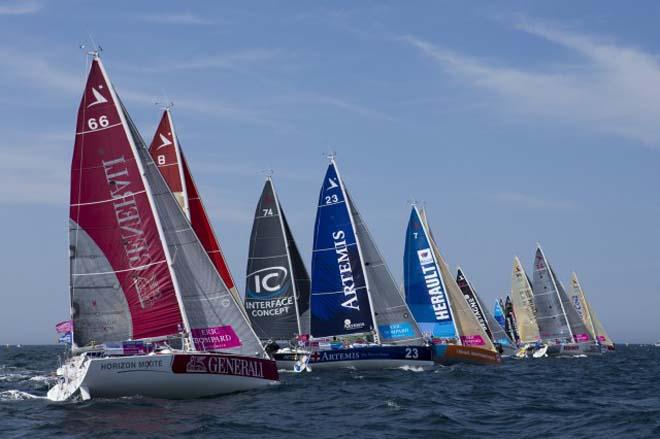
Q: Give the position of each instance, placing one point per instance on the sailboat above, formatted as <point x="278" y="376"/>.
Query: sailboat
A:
<point x="150" y="314"/>
<point x="591" y="321"/>
<point x="491" y="327"/>
<point x="437" y="302"/>
<point x="277" y="284"/>
<point x="166" y="152"/>
<point x="358" y="316"/>
<point x="560" y="327"/>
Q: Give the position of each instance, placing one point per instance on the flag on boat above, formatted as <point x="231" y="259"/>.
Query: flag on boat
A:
<point x="65" y="339"/>
<point x="64" y="327"/>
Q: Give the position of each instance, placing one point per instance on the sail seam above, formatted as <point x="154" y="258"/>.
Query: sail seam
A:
<point x="102" y="201"/>
<point x="99" y="129"/>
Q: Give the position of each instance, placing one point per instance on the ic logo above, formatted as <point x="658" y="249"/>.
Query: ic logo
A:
<point x="267" y="282"/>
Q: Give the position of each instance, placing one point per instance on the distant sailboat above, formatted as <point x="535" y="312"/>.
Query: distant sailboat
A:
<point x="560" y="327"/>
<point x="358" y="316"/>
<point x="150" y="314"/>
<point x="437" y="302"/>
<point x="277" y="284"/>
<point x="497" y="334"/>
<point x="522" y="299"/>
<point x="584" y="309"/>
<point x="171" y="162"/>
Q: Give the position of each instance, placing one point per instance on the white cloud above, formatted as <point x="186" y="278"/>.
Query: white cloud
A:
<point x="533" y="202"/>
<point x="612" y="88"/>
<point x="19" y="7"/>
<point x="183" y="18"/>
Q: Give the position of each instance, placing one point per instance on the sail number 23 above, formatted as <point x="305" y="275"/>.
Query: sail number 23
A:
<point x="331" y="199"/>
<point x="412" y="353"/>
<point x="102" y="122"/>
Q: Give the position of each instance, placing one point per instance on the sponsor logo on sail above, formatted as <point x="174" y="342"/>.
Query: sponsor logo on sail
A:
<point x="98" y="97"/>
<point x="349" y="326"/>
<point x="433" y="284"/>
<point x="134" y="241"/>
<point x="345" y="271"/>
<point x="267" y="293"/>
<point x="165" y="142"/>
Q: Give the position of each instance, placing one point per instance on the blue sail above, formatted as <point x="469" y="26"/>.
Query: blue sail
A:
<point x="339" y="298"/>
<point x="425" y="290"/>
<point x="498" y="313"/>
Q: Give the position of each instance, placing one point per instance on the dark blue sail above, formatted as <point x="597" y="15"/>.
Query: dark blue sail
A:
<point x="425" y="290"/>
<point x="339" y="299"/>
<point x="498" y="313"/>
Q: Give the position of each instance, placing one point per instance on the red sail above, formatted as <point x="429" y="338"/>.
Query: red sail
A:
<point x="166" y="152"/>
<point x="115" y="243"/>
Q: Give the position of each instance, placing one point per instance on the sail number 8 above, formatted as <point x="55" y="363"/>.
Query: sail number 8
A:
<point x="93" y="124"/>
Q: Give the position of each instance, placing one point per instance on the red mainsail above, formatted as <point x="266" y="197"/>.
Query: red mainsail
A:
<point x="166" y="152"/>
<point x="119" y="265"/>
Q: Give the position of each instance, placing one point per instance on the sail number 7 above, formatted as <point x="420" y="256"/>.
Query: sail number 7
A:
<point x="102" y="122"/>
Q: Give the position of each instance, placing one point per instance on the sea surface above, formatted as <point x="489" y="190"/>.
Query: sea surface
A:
<point x="615" y="395"/>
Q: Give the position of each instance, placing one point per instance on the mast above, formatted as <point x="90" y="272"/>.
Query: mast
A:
<point x="357" y="241"/>
<point x="554" y="283"/>
<point x="288" y="252"/>
<point x="159" y="226"/>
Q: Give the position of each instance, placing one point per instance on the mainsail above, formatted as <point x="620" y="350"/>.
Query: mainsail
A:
<point x="138" y="270"/>
<point x="396" y="324"/>
<point x="339" y="296"/>
<point x="425" y="290"/>
<point x="166" y="152"/>
<point x="277" y="283"/>
<point x="550" y="315"/>
<point x="522" y="298"/>
<point x="589" y="317"/>
<point x="483" y="315"/>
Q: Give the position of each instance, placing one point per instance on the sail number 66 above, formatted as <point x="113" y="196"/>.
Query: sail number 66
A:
<point x="102" y="122"/>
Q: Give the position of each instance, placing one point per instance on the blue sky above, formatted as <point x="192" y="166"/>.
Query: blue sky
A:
<point x="513" y="122"/>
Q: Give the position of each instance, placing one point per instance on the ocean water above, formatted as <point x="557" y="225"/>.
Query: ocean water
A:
<point x="616" y="395"/>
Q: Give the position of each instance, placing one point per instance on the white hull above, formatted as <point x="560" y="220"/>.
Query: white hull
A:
<point x="171" y="376"/>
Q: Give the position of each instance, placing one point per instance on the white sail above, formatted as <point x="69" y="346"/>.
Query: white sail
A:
<point x="523" y="304"/>
<point x="585" y="310"/>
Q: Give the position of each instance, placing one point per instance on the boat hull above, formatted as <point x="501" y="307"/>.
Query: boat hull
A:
<point x="363" y="358"/>
<point x="570" y="349"/>
<point x="447" y="354"/>
<point x="170" y="376"/>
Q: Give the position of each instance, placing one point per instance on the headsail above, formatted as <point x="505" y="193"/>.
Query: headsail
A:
<point x="166" y="152"/>
<point x="274" y="281"/>
<point x="498" y="312"/>
<point x="395" y="322"/>
<point x="522" y="298"/>
<point x="483" y="315"/>
<point x="138" y="269"/>
<point x="339" y="298"/>
<point x="590" y="319"/>
<point x="425" y="290"/>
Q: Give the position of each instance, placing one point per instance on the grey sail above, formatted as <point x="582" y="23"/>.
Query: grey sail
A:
<point x="578" y="328"/>
<point x="549" y="309"/>
<point x="273" y="278"/>
<point x="300" y="278"/>
<point x="104" y="315"/>
<point x="205" y="299"/>
<point x="394" y="320"/>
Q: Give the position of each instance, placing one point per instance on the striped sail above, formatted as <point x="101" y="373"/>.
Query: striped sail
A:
<point x="166" y="152"/>
<point x="522" y="298"/>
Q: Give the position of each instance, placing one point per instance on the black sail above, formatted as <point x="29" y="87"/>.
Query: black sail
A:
<point x="275" y="274"/>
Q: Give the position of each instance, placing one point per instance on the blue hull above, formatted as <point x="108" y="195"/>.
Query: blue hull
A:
<point x="369" y="357"/>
